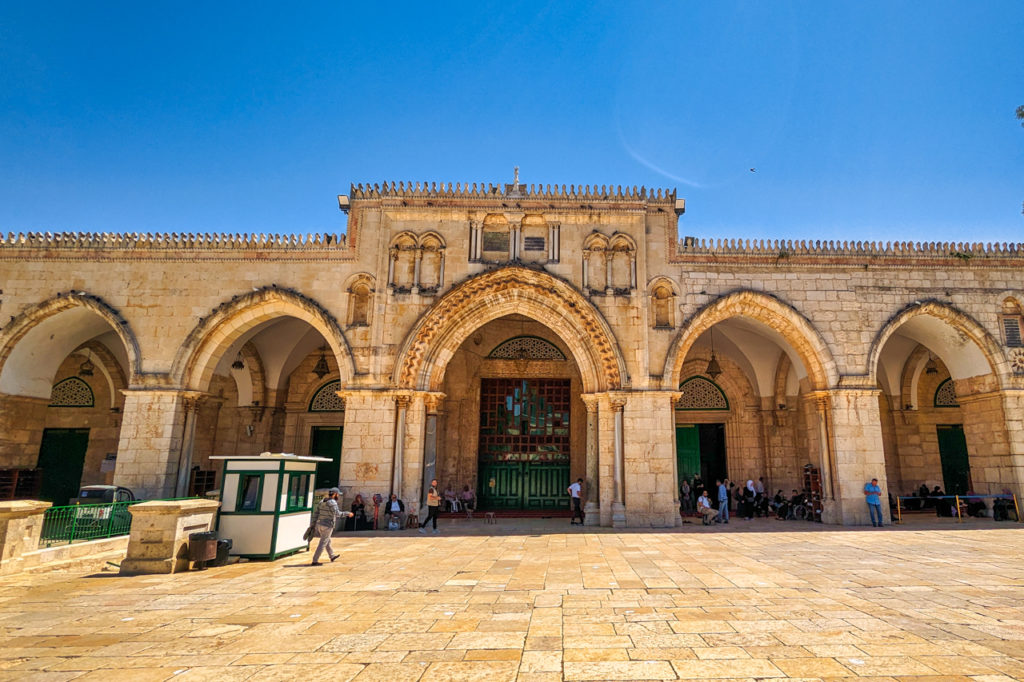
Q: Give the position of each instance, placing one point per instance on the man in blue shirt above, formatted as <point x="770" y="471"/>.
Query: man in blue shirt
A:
<point x="871" y="494"/>
<point x="723" y="500"/>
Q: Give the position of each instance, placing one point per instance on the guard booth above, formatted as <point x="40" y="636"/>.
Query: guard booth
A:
<point x="265" y="503"/>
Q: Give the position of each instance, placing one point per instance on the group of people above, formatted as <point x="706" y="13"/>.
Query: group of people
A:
<point x="713" y="503"/>
<point x="464" y="501"/>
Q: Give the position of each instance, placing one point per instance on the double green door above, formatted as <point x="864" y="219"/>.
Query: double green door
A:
<point x="523" y="485"/>
<point x="62" y="458"/>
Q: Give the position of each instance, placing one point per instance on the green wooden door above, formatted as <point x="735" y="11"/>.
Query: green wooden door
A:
<point x="956" y="470"/>
<point x="687" y="452"/>
<point x="326" y="442"/>
<point x="523" y="485"/>
<point x="62" y="457"/>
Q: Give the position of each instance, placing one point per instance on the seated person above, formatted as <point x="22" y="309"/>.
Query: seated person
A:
<point x="975" y="505"/>
<point x="705" y="509"/>
<point x="358" y="519"/>
<point x="451" y="504"/>
<point x="468" y="501"/>
<point x="797" y="500"/>
<point x="394" y="509"/>
<point x="943" y="507"/>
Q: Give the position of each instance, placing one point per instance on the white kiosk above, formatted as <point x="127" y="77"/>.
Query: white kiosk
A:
<point x="265" y="503"/>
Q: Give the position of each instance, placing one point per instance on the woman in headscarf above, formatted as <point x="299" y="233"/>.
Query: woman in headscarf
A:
<point x="749" y="494"/>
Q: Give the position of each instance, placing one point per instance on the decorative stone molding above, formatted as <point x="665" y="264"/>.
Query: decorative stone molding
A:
<point x="481" y="298"/>
<point x="459" y="190"/>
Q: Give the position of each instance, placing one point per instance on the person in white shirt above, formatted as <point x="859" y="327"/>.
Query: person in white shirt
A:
<point x="705" y="509"/>
<point x="575" y="490"/>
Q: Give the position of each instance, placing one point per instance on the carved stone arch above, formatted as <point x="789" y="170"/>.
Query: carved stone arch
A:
<point x="780" y="395"/>
<point x="911" y="374"/>
<point x="988" y="347"/>
<point x="474" y="302"/>
<point x="256" y="375"/>
<point x="28" y="319"/>
<point x="195" y="361"/>
<point x="595" y="262"/>
<point x="621" y="241"/>
<point x="595" y="241"/>
<point x="431" y="256"/>
<point x="780" y="317"/>
<point x="109" y="367"/>
<point x="432" y="240"/>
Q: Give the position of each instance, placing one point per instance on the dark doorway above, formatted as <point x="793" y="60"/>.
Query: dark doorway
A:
<point x="956" y="470"/>
<point x="524" y="443"/>
<point x="700" y="449"/>
<point x="326" y="442"/>
<point x="61" y="458"/>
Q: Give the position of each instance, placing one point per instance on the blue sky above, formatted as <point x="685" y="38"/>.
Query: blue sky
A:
<point x="864" y="120"/>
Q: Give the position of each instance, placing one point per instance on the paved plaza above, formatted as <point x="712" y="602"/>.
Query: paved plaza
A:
<point x="538" y="600"/>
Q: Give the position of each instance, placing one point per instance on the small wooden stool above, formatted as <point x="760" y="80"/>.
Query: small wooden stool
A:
<point x="412" y="521"/>
<point x="489" y="518"/>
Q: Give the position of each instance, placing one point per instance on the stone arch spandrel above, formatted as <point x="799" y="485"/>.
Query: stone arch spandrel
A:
<point x="196" y="359"/>
<point x="28" y="319"/>
<point x="988" y="347"/>
<point x="782" y="318"/>
<point x="491" y="295"/>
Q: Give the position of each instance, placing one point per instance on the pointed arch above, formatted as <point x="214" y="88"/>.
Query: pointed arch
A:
<point x="31" y="318"/>
<point x="780" y="317"/>
<point x="197" y="358"/>
<point x="960" y="365"/>
<point x="551" y="301"/>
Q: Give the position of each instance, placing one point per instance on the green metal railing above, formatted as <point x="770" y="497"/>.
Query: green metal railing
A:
<point x="80" y="522"/>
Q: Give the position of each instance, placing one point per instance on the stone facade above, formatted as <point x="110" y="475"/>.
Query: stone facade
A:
<point x="831" y="353"/>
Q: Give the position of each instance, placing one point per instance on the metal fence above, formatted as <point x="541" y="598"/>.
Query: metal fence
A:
<point x="80" y="522"/>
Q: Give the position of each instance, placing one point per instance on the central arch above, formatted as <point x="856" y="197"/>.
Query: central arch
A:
<point x="510" y="290"/>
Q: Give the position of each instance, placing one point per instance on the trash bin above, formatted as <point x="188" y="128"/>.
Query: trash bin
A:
<point x="202" y="547"/>
<point x="223" y="548"/>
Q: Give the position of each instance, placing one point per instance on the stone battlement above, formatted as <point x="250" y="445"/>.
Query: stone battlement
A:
<point x="163" y="241"/>
<point x="457" y="190"/>
<point x="780" y="250"/>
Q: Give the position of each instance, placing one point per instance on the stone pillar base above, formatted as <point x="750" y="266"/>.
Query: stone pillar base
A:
<point x="160" y="530"/>
<point x="618" y="515"/>
<point x="21" y="523"/>
<point x="591" y="514"/>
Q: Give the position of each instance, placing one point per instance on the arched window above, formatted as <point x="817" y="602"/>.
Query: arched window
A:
<point x="72" y="392"/>
<point x="326" y="398"/>
<point x="701" y="394"/>
<point x="526" y="348"/>
<point x="945" y="395"/>
<point x="360" y="301"/>
<point x="662" y="299"/>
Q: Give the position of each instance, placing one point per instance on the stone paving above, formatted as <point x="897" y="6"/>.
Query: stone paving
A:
<point x="541" y="601"/>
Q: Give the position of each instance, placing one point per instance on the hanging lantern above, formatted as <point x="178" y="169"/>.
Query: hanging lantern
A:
<point x="930" y="366"/>
<point x="321" y="369"/>
<point x="238" y="364"/>
<point x="86" y="368"/>
<point x="713" y="369"/>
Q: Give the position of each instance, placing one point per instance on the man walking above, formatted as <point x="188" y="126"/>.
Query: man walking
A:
<point x="871" y="495"/>
<point x="324" y="519"/>
<point x="433" y="506"/>
<point x="574" y="491"/>
<point x="723" y="500"/>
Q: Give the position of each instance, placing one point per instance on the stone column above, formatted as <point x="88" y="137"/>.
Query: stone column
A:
<point x="608" y="256"/>
<point x="398" y="457"/>
<point x="632" y="270"/>
<point x="369" y="440"/>
<point x="859" y="454"/>
<point x="619" y="500"/>
<point x="21" y="522"/>
<point x="586" y="271"/>
<point x="152" y="436"/>
<point x="592" y="507"/>
<point x="392" y="262"/>
<point x="416" y="269"/>
<point x="160" y="529"/>
<point x="190" y="405"/>
<point x="994" y="430"/>
<point x="649" y="459"/>
<point x="432" y="404"/>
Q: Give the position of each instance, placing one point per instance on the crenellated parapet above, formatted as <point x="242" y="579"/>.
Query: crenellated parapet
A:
<point x="780" y="252"/>
<point x="457" y="190"/>
<point x="173" y="241"/>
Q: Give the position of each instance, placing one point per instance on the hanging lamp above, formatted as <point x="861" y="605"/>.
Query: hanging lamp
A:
<point x="86" y="368"/>
<point x="321" y="369"/>
<point x="713" y="369"/>
<point x="238" y="364"/>
<point x="930" y="366"/>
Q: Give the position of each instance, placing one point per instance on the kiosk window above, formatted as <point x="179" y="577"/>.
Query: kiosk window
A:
<point x="298" y="491"/>
<point x="249" y="493"/>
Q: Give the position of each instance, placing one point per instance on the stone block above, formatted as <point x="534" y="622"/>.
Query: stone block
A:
<point x="159" y="536"/>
